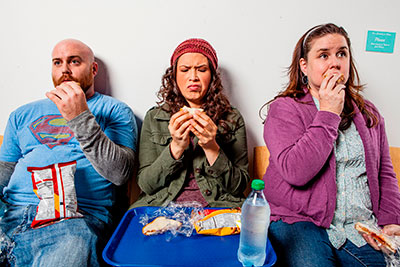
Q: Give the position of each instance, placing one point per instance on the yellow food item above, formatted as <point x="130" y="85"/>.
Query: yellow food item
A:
<point x="220" y="222"/>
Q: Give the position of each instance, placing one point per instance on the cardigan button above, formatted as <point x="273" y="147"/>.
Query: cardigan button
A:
<point x="197" y="170"/>
<point x="208" y="192"/>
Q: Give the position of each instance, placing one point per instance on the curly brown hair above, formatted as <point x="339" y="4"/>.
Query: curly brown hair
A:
<point x="215" y="104"/>
<point x="295" y="86"/>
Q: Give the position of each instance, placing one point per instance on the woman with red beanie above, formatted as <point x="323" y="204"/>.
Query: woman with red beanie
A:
<point x="193" y="143"/>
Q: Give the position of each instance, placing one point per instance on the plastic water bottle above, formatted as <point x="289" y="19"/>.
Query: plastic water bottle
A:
<point x="254" y="226"/>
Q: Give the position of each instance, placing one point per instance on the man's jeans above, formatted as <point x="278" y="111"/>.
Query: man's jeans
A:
<point x="72" y="242"/>
<point x="305" y="244"/>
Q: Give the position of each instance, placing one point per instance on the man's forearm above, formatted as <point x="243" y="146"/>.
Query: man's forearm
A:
<point x="6" y="170"/>
<point x="114" y="162"/>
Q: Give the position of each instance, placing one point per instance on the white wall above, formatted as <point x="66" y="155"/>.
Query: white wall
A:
<point x="135" y="39"/>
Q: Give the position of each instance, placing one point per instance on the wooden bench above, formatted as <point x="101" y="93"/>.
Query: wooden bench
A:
<point x="260" y="164"/>
<point x="261" y="161"/>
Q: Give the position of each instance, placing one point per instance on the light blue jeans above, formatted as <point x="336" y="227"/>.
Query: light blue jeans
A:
<point x="73" y="242"/>
<point x="305" y="244"/>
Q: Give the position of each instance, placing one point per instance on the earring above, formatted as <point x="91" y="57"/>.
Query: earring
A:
<point x="304" y="80"/>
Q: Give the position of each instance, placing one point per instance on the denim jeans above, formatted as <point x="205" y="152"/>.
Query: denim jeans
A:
<point x="72" y="242"/>
<point x="305" y="244"/>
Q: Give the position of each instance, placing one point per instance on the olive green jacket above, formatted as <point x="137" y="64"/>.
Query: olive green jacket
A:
<point x="161" y="177"/>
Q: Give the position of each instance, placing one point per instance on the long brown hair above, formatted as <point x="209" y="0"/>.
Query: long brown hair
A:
<point x="297" y="80"/>
<point x="215" y="104"/>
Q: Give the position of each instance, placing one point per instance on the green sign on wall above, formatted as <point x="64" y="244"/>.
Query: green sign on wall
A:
<point x="380" y="41"/>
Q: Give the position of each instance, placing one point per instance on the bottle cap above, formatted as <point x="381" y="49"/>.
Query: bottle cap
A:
<point x="257" y="184"/>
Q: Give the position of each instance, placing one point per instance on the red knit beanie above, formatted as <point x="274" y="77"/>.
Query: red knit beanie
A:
<point x="196" y="45"/>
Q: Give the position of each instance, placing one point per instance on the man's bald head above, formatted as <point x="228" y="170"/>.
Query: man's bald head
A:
<point x="74" y="61"/>
<point x="74" y="45"/>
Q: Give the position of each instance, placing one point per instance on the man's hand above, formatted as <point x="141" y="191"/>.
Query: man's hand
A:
<point x="69" y="99"/>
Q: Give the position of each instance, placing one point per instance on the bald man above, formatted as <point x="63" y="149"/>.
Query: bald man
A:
<point x="60" y="161"/>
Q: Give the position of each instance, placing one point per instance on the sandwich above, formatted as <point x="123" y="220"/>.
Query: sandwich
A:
<point x="340" y="80"/>
<point x="381" y="238"/>
<point x="160" y="225"/>
<point x="191" y="110"/>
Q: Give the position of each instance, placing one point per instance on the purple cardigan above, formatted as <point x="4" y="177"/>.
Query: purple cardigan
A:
<point x="301" y="176"/>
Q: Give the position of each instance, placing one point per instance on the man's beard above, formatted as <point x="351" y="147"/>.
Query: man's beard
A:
<point x="85" y="83"/>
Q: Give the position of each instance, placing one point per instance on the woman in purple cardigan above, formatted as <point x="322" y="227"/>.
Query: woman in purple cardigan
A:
<point x="329" y="160"/>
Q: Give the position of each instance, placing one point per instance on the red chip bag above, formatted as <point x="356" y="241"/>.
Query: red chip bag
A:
<point x="54" y="186"/>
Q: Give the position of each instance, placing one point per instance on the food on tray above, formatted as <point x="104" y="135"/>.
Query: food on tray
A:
<point x="191" y="110"/>
<point x="160" y="225"/>
<point x="219" y="222"/>
<point x="383" y="239"/>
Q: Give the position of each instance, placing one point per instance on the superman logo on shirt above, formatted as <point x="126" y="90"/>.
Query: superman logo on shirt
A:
<point x="51" y="130"/>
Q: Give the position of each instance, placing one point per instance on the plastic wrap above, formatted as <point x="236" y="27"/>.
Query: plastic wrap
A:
<point x="392" y="260"/>
<point x="181" y="212"/>
<point x="6" y="245"/>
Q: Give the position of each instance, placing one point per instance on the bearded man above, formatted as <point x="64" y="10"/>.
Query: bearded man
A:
<point x="60" y="161"/>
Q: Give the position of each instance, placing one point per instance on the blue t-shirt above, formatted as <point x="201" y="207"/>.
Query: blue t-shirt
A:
<point x="37" y="135"/>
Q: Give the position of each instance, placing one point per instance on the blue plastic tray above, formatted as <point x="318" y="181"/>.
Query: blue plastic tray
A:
<point x="129" y="247"/>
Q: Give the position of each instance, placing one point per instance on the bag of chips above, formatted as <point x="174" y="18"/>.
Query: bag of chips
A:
<point x="219" y="222"/>
<point x="54" y="186"/>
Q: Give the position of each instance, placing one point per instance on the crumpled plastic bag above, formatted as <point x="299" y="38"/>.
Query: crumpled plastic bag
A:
<point x="176" y="211"/>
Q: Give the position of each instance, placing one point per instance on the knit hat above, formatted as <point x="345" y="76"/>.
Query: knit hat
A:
<point x="196" y="45"/>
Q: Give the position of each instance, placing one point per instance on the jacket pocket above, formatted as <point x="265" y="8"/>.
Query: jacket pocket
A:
<point x="160" y="138"/>
<point x="158" y="199"/>
<point x="226" y="141"/>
